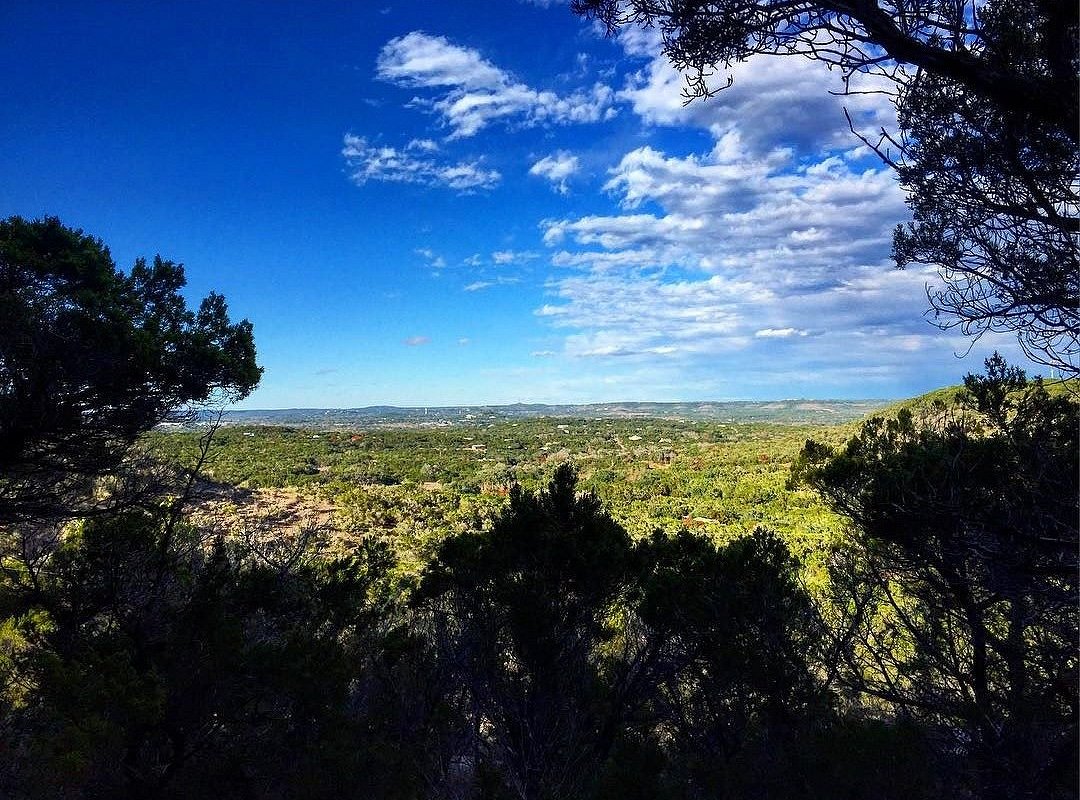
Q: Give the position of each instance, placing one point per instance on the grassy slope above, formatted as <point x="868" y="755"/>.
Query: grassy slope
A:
<point x="947" y="396"/>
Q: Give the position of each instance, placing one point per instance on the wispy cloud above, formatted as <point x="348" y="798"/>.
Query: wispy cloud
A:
<point x="557" y="168"/>
<point x="415" y="163"/>
<point x="498" y="280"/>
<point x="472" y="93"/>
<point x="426" y="145"/>
<point x="779" y="333"/>
<point x="417" y="341"/>
<point x="434" y="260"/>
<point x="503" y="257"/>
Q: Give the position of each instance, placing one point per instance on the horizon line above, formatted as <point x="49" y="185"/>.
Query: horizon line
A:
<point x="441" y="406"/>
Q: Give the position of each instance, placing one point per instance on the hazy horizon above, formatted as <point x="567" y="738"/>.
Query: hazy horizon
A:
<point x="437" y="406"/>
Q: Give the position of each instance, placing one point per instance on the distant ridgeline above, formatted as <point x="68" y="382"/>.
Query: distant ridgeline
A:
<point x="793" y="412"/>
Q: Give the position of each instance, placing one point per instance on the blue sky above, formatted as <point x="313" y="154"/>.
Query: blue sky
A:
<point x="467" y="202"/>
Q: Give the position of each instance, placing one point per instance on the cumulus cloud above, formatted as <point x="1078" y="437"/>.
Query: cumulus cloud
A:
<point x="556" y="168"/>
<point x="785" y="225"/>
<point x="415" y="163"/>
<point x="772" y="99"/>
<point x="418" y="59"/>
<point x="766" y="242"/>
<point x="472" y="93"/>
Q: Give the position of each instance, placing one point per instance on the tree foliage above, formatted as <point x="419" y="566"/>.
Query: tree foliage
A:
<point x="734" y="659"/>
<point x="529" y="609"/>
<point x="581" y="658"/>
<point x="995" y="206"/>
<point x="987" y="142"/>
<point x="91" y="358"/>
<point x="141" y="661"/>
<point x="958" y="599"/>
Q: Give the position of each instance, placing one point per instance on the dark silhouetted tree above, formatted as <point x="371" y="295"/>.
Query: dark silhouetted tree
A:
<point x="736" y="665"/>
<point x="522" y="615"/>
<point x="145" y="663"/>
<point x="585" y="665"/>
<point x="91" y="358"/>
<point x="957" y="601"/>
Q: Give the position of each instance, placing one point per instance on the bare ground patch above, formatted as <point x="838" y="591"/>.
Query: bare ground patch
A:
<point x="286" y="511"/>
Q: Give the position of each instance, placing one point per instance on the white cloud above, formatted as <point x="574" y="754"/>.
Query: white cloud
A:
<point x="773" y="100"/>
<point x="417" y="341"/>
<point x="504" y="257"/>
<point x="413" y="164"/>
<point x="542" y="353"/>
<point x="556" y="168"/>
<point x="779" y="333"/>
<point x="418" y="59"/>
<point x="646" y="314"/>
<point x="474" y="92"/>
<point x="795" y="227"/>
<point x="426" y="145"/>
<point x="468" y="176"/>
<point x="872" y="318"/>
<point x="721" y="256"/>
<point x="434" y="260"/>
<point x="499" y="280"/>
<point x="548" y="310"/>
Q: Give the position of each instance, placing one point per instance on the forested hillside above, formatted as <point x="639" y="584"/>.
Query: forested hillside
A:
<point x="413" y="487"/>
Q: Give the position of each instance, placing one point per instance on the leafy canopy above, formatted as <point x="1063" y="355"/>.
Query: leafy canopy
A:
<point x="956" y="600"/>
<point x="90" y="358"/>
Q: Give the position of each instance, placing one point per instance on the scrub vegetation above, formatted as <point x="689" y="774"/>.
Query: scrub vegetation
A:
<point x="415" y="485"/>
